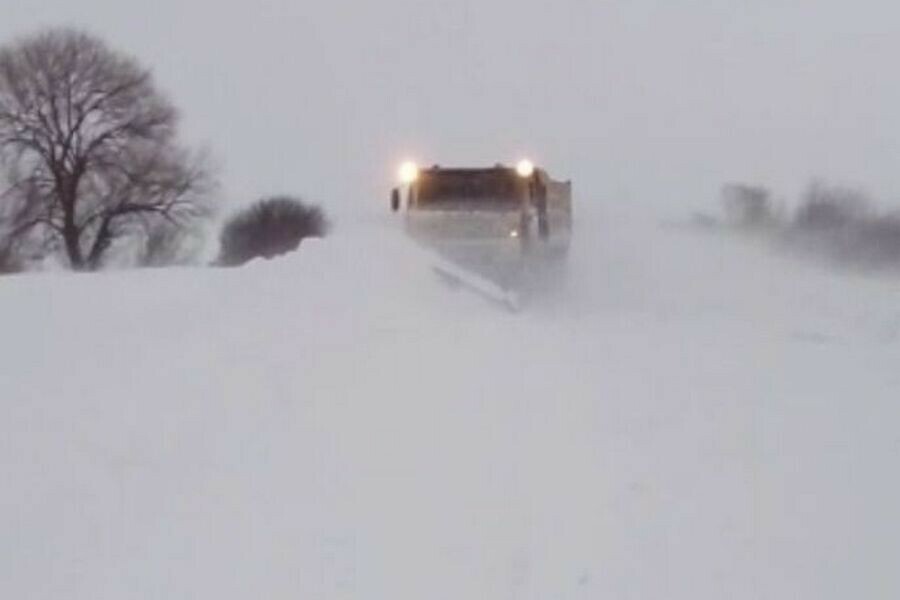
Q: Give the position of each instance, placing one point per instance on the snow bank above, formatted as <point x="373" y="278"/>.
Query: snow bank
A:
<point x="687" y="418"/>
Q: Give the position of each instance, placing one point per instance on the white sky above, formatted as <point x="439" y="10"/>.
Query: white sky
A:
<point x="657" y="101"/>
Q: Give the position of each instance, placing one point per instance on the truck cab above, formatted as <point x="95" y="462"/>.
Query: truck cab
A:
<point x="501" y="209"/>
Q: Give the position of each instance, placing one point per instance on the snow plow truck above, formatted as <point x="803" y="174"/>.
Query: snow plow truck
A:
<point x="500" y="223"/>
<point x="521" y="209"/>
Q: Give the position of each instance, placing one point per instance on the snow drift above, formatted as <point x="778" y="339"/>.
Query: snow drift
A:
<point x="686" y="418"/>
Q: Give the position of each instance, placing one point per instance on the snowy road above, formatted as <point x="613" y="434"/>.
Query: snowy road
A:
<point x="691" y="416"/>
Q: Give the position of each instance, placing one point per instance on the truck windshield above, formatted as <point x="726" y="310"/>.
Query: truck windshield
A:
<point x="491" y="189"/>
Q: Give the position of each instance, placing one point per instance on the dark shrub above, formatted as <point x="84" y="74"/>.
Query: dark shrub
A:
<point x="841" y="223"/>
<point x="269" y="228"/>
<point x="875" y="242"/>
<point x="830" y="208"/>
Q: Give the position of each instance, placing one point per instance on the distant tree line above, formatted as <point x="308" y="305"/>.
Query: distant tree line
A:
<point x="840" y="222"/>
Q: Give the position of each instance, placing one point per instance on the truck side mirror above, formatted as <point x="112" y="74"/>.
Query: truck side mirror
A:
<point x="395" y="199"/>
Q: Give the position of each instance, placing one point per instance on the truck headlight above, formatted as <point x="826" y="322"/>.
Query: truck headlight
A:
<point x="525" y="168"/>
<point x="408" y="172"/>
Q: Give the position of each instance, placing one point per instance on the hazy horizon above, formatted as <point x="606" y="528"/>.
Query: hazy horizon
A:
<point x="639" y="102"/>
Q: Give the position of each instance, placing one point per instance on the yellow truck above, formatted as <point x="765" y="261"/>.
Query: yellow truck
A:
<point x="501" y="223"/>
<point x="517" y="209"/>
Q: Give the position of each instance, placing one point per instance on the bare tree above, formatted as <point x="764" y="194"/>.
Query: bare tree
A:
<point x="88" y="148"/>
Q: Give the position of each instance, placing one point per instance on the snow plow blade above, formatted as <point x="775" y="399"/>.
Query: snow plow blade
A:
<point x="457" y="276"/>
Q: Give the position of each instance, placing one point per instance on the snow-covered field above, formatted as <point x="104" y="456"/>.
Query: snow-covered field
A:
<point x="691" y="416"/>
